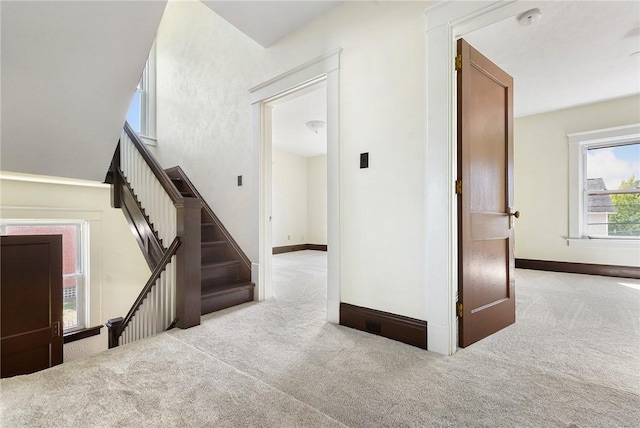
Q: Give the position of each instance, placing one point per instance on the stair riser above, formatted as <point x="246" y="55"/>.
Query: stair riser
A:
<point x="221" y="275"/>
<point x="209" y="233"/>
<point x="213" y="254"/>
<point x="216" y="302"/>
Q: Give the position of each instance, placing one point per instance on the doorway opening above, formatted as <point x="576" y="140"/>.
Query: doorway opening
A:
<point x="299" y="194"/>
<point x="322" y="69"/>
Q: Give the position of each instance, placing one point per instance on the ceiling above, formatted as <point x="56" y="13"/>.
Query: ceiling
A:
<point x="579" y="52"/>
<point x="290" y="134"/>
<point x="266" y="22"/>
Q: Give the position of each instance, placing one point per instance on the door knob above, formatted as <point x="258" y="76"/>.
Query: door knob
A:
<point x="515" y="214"/>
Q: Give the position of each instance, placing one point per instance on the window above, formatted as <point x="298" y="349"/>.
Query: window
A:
<point x="142" y="110"/>
<point x="74" y="262"/>
<point x="605" y="184"/>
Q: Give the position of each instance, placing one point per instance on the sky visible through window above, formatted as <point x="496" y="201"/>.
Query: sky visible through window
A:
<point x="133" y="115"/>
<point x="614" y="164"/>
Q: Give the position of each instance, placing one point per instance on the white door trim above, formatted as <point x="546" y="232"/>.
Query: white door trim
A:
<point x="446" y="22"/>
<point x="327" y="67"/>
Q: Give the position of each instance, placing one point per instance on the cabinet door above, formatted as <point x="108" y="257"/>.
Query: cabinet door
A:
<point x="31" y="303"/>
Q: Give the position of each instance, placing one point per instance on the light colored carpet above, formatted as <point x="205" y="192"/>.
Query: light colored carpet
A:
<point x="571" y="360"/>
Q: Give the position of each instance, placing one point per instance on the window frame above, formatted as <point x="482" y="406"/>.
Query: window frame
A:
<point x="147" y="92"/>
<point x="579" y="144"/>
<point x="82" y="284"/>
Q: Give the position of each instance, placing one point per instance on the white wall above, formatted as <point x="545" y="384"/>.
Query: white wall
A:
<point x="289" y="199"/>
<point x="542" y="182"/>
<point x="117" y="268"/>
<point x="299" y="199"/>
<point x="205" y="68"/>
<point x="317" y="200"/>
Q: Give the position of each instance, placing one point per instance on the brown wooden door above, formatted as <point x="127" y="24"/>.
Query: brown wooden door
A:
<point x="31" y="303"/>
<point x="486" y="288"/>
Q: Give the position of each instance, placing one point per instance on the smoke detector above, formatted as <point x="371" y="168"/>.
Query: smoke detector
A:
<point x="529" y="17"/>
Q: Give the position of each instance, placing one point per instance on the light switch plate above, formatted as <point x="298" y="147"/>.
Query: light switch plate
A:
<point x="364" y="160"/>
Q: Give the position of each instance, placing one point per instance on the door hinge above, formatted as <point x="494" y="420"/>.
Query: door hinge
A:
<point x="458" y="187"/>
<point x="459" y="309"/>
<point x="56" y="329"/>
<point x="458" y="62"/>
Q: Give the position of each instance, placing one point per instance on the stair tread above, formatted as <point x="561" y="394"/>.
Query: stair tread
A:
<point x="220" y="263"/>
<point x="213" y="243"/>
<point x="212" y="288"/>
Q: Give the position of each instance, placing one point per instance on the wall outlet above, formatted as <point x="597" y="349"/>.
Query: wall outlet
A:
<point x="239" y="180"/>
<point x="288" y="238"/>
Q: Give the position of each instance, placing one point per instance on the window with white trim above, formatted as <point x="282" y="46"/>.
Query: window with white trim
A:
<point x="604" y="187"/>
<point x="142" y="110"/>
<point x="74" y="263"/>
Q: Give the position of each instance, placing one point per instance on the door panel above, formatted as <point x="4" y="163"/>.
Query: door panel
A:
<point x="31" y="303"/>
<point x="485" y="158"/>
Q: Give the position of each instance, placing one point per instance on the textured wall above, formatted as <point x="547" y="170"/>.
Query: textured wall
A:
<point x="542" y="181"/>
<point x="204" y="124"/>
<point x="205" y="68"/>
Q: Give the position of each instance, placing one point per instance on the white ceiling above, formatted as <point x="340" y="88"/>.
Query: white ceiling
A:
<point x="579" y="52"/>
<point x="290" y="134"/>
<point x="266" y="22"/>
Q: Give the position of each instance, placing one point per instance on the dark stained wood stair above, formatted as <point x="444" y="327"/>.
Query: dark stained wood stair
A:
<point x="226" y="270"/>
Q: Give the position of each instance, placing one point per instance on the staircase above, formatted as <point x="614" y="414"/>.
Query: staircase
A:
<point x="225" y="270"/>
<point x="197" y="267"/>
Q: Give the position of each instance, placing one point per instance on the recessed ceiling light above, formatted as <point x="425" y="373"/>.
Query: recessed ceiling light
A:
<point x="529" y="17"/>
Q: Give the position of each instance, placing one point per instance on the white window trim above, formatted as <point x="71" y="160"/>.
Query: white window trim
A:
<point x="148" y="100"/>
<point x="578" y="143"/>
<point x="82" y="286"/>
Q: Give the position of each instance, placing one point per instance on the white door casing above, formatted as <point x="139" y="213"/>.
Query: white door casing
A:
<point x="326" y="68"/>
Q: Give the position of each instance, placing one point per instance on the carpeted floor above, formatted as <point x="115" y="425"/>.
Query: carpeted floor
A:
<point x="571" y="360"/>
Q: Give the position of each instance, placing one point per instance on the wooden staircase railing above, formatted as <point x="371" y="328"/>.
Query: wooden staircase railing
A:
<point x="167" y="228"/>
<point x="152" y="312"/>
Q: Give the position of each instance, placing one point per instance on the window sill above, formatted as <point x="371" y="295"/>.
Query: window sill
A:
<point x="72" y="336"/>
<point x="604" y="243"/>
<point x="149" y="141"/>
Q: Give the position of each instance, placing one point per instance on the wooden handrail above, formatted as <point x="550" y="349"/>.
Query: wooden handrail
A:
<point x="185" y="245"/>
<point x="157" y="170"/>
<point x="171" y="251"/>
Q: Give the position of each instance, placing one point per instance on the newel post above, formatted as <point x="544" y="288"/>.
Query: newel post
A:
<point x="114" y="325"/>
<point x="188" y="263"/>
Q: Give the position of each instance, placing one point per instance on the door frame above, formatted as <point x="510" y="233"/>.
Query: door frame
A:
<point x="327" y="68"/>
<point x="448" y="21"/>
